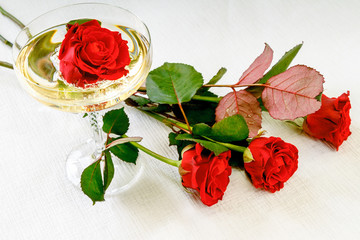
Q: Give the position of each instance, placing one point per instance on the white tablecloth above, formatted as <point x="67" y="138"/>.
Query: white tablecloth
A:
<point x="322" y="199"/>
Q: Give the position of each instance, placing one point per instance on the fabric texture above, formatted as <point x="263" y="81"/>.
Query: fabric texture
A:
<point x="320" y="201"/>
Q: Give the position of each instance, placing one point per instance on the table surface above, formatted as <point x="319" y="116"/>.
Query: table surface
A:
<point x="321" y="200"/>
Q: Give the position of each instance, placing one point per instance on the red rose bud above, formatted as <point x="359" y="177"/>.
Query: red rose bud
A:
<point x="90" y="53"/>
<point x="270" y="162"/>
<point x="206" y="173"/>
<point x="332" y="121"/>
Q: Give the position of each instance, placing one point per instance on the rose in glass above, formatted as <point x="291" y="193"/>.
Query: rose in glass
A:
<point x="206" y="173"/>
<point x="90" y="53"/>
<point x="270" y="162"/>
<point x="332" y="121"/>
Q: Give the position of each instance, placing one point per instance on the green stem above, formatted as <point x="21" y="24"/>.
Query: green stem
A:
<point x="6" y="64"/>
<point x="184" y="115"/>
<point x="182" y="125"/>
<point x="228" y="145"/>
<point x="169" y="161"/>
<point x="142" y="89"/>
<point x="12" y="18"/>
<point x="195" y="97"/>
<point x="4" y="40"/>
<point x="166" y="120"/>
<point x="298" y="122"/>
<point x="206" y="98"/>
<point x="236" y="85"/>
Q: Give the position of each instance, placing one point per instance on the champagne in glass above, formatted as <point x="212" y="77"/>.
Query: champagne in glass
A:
<point x="36" y="63"/>
<point x="37" y="67"/>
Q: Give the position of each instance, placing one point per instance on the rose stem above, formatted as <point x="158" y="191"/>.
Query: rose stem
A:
<point x="168" y="116"/>
<point x="6" y="64"/>
<point x="169" y="161"/>
<point x="182" y="111"/>
<point x="4" y="40"/>
<point x="217" y="99"/>
<point x="206" y="98"/>
<point x="214" y="99"/>
<point x="184" y="115"/>
<point x="228" y="145"/>
<point x="182" y="125"/>
<point x="237" y="85"/>
<point x="165" y="120"/>
<point x="142" y="89"/>
<point x="12" y="18"/>
<point x="196" y="97"/>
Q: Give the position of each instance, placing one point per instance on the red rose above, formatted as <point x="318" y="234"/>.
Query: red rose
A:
<point x="90" y="53"/>
<point x="206" y="173"/>
<point x="270" y="162"/>
<point x="332" y="121"/>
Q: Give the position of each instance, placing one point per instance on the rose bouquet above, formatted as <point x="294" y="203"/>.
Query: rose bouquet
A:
<point x="212" y="133"/>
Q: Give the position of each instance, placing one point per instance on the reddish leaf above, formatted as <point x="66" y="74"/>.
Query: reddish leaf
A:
<point x="258" y="67"/>
<point x="291" y="94"/>
<point x="244" y="104"/>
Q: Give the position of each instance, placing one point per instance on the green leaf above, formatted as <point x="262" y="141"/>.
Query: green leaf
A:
<point x="197" y="112"/>
<point x="318" y="97"/>
<point x="263" y="108"/>
<point x="172" y="139"/>
<point x="180" y="144"/>
<point x="91" y="182"/>
<point x="213" y="80"/>
<point x="206" y="94"/>
<point x="108" y="170"/>
<point x="140" y="101"/>
<point x="145" y="104"/>
<point x="282" y="64"/>
<point x="116" y="121"/>
<point x="218" y="76"/>
<point x="159" y="108"/>
<point x="202" y="129"/>
<point x="125" y="152"/>
<point x="230" y="129"/>
<point x="172" y="83"/>
<point x="81" y="21"/>
<point x="214" y="147"/>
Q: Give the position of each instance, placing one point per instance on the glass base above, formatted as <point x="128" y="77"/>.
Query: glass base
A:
<point x="125" y="174"/>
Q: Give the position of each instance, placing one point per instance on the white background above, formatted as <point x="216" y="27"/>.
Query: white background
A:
<point x="321" y="200"/>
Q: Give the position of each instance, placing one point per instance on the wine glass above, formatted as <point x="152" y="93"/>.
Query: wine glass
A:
<point x="36" y="63"/>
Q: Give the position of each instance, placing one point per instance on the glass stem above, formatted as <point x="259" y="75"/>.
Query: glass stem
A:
<point x="95" y="120"/>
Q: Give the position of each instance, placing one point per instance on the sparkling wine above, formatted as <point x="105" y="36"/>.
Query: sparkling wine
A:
<point x="37" y="67"/>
